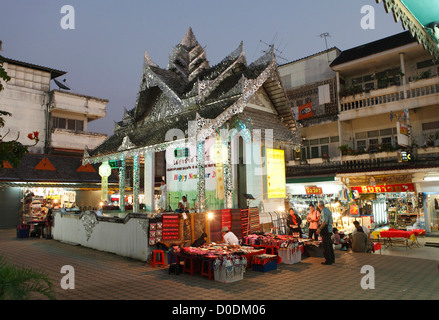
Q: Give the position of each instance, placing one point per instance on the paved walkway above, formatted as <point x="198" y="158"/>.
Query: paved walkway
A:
<point x="105" y="276"/>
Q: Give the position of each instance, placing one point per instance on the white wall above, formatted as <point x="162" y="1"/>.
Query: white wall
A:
<point x="25" y="96"/>
<point x="128" y="240"/>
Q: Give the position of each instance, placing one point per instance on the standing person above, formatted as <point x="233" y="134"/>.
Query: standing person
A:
<point x="313" y="219"/>
<point x="49" y="222"/>
<point x="163" y="196"/>
<point x="325" y="230"/>
<point x="294" y="221"/>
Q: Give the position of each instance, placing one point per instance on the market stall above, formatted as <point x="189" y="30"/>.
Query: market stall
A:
<point x="224" y="263"/>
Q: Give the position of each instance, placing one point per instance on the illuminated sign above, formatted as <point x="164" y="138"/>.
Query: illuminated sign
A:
<point x="276" y="181"/>
<point x="408" y="187"/>
<point x="313" y="190"/>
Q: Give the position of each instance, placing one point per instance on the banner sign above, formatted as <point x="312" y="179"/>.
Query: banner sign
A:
<point x="408" y="187"/>
<point x="313" y="190"/>
<point x="276" y="180"/>
<point x="305" y="111"/>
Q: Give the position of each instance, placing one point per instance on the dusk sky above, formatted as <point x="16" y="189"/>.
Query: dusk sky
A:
<point x="103" y="55"/>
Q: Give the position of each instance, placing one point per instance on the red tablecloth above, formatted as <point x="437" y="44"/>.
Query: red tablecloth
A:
<point x="418" y="232"/>
<point x="398" y="234"/>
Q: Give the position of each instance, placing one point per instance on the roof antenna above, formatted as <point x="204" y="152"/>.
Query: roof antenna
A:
<point x="325" y="35"/>
<point x="278" y="53"/>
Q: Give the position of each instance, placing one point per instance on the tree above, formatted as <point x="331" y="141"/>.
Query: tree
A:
<point x="11" y="151"/>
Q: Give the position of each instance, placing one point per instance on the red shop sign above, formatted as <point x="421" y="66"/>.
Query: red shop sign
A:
<point x="313" y="190"/>
<point x="407" y="187"/>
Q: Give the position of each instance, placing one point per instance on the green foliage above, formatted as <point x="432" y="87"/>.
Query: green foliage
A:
<point x="18" y="283"/>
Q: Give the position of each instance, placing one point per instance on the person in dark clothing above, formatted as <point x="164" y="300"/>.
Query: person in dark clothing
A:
<point x="293" y="222"/>
<point x="49" y="223"/>
<point x="200" y="241"/>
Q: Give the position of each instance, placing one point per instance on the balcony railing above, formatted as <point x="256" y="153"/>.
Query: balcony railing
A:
<point x="412" y="90"/>
<point x="364" y="162"/>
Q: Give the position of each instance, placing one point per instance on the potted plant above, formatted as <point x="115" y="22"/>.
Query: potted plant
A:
<point x="344" y="149"/>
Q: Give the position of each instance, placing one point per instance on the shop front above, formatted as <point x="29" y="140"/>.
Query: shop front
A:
<point x="427" y="183"/>
<point x="43" y="181"/>
<point x="388" y="199"/>
<point x="302" y="192"/>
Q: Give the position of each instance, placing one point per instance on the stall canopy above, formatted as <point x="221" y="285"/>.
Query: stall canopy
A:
<point x="420" y="17"/>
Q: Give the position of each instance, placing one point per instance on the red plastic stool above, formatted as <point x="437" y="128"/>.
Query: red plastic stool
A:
<point x="161" y="261"/>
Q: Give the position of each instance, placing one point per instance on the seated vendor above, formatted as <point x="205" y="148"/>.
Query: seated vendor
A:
<point x="229" y="237"/>
<point x="202" y="240"/>
<point x="183" y="206"/>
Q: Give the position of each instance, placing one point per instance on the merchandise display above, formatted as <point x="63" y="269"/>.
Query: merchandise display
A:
<point x="229" y="268"/>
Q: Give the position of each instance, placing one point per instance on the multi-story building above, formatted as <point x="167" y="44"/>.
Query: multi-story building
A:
<point x="387" y="128"/>
<point x="52" y="168"/>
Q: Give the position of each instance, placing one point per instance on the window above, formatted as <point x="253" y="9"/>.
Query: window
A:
<point x="430" y="126"/>
<point x="314" y="152"/>
<point x="335" y="139"/>
<point x="372" y="140"/>
<point x="361" y="145"/>
<point x="69" y="124"/>
<point x="424" y="64"/>
<point x="324" y="151"/>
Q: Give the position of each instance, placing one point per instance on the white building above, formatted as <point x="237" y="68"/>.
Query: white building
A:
<point x="60" y="117"/>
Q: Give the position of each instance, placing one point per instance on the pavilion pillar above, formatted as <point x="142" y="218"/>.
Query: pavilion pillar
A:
<point x="136" y="182"/>
<point x="122" y="173"/>
<point x="201" y="183"/>
<point x="228" y="177"/>
<point x="149" y="181"/>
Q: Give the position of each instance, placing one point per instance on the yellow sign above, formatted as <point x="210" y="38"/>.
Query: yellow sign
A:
<point x="276" y="182"/>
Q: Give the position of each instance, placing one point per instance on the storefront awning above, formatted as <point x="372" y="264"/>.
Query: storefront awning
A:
<point x="310" y="179"/>
<point x="420" y="17"/>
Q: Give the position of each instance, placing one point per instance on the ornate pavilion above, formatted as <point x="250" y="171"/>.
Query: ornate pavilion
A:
<point x="190" y="102"/>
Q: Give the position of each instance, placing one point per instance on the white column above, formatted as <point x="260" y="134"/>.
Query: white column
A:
<point x="337" y="80"/>
<point x="149" y="181"/>
<point x="404" y="81"/>
<point x="122" y="171"/>
<point x="136" y="182"/>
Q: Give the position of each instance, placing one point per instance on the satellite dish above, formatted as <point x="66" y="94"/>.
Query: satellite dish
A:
<point x="61" y="85"/>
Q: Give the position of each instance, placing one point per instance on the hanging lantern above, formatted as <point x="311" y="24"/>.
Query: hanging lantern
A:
<point x="104" y="172"/>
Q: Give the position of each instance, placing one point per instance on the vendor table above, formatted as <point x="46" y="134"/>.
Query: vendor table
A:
<point x="393" y="236"/>
<point x="197" y="263"/>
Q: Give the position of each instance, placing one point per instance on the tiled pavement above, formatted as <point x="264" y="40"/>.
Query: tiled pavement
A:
<point x="104" y="276"/>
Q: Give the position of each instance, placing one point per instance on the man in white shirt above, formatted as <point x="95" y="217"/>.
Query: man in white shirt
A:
<point x="229" y="237"/>
<point x="183" y="205"/>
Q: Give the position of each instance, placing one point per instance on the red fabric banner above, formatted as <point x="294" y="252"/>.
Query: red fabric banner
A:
<point x="305" y="111"/>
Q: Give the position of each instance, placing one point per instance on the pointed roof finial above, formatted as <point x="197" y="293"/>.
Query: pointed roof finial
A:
<point x="148" y="60"/>
<point x="189" y="39"/>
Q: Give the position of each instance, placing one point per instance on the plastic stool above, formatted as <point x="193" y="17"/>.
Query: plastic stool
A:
<point x="161" y="261"/>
